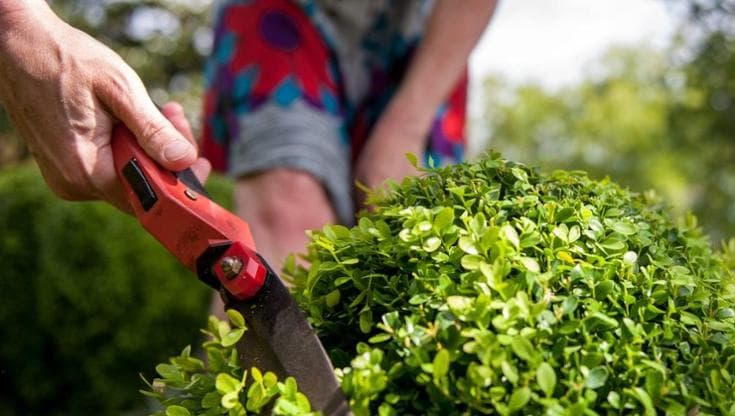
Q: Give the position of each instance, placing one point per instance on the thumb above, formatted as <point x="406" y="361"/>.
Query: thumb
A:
<point x="128" y="100"/>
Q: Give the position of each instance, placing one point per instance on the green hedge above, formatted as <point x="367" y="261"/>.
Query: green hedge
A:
<point x="89" y="300"/>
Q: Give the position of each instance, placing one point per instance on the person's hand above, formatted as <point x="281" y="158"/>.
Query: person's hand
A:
<point x="397" y="132"/>
<point x="64" y="91"/>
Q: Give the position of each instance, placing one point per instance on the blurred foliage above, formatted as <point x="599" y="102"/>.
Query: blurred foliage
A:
<point x="165" y="41"/>
<point x="89" y="301"/>
<point x="648" y="119"/>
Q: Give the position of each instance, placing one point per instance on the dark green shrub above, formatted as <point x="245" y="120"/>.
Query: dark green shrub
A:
<point x="489" y="288"/>
<point x="89" y="300"/>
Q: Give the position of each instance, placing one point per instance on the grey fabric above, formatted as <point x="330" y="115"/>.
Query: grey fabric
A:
<point x="298" y="137"/>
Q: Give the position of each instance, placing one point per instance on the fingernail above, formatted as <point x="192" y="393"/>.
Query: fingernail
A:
<point x="177" y="150"/>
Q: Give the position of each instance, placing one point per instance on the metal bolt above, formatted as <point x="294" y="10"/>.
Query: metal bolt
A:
<point x="231" y="266"/>
<point x="189" y="193"/>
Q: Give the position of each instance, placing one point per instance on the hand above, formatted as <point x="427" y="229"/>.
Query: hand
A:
<point x="384" y="155"/>
<point x="64" y="91"/>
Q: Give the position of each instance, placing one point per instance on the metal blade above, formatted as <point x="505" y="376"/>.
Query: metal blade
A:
<point x="189" y="179"/>
<point x="279" y="339"/>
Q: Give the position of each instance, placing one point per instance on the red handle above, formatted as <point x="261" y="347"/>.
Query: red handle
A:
<point x="205" y="237"/>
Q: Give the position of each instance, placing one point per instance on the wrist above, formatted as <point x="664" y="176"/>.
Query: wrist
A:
<point x="410" y="114"/>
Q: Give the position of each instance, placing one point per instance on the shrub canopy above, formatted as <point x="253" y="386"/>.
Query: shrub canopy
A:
<point x="491" y="288"/>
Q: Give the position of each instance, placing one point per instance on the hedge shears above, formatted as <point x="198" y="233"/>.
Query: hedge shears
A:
<point x="217" y="245"/>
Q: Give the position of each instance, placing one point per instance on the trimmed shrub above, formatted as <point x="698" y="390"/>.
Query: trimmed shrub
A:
<point x="489" y="288"/>
<point x="89" y="300"/>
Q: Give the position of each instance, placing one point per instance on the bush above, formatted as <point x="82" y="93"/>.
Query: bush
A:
<point x="89" y="300"/>
<point x="490" y="288"/>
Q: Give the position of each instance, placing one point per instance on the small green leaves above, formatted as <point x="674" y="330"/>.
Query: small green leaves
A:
<point x="490" y="288"/>
<point x="188" y="387"/>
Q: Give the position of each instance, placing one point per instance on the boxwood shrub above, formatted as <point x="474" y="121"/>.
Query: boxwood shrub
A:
<point x="492" y="288"/>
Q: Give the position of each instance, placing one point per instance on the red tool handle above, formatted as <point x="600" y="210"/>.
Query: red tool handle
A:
<point x="206" y="238"/>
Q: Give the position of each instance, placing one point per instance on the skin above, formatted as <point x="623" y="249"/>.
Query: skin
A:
<point x="451" y="33"/>
<point x="64" y="91"/>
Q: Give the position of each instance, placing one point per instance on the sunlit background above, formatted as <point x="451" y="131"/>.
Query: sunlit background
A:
<point x="640" y="91"/>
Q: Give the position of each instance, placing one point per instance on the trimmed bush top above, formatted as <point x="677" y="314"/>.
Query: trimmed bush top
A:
<point x="491" y="288"/>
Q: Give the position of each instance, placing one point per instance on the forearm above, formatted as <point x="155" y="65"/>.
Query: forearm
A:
<point x="20" y="24"/>
<point x="452" y="31"/>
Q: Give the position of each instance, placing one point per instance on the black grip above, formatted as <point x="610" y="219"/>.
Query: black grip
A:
<point x="139" y="183"/>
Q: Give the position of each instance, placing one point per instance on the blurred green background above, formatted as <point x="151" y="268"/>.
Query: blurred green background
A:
<point x="89" y="300"/>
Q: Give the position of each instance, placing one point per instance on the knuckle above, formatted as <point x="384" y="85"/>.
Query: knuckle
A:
<point x="151" y="134"/>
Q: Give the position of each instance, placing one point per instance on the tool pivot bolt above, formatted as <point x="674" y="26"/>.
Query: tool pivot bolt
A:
<point x="190" y="194"/>
<point x="231" y="266"/>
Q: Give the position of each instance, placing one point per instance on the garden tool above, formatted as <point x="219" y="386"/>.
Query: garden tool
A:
<point x="217" y="245"/>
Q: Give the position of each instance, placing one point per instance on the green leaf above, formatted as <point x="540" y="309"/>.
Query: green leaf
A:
<point x="471" y="262"/>
<point x="467" y="245"/>
<point x="210" y="400"/>
<point x="519" y="398"/>
<point x="613" y="244"/>
<point x="441" y="363"/>
<point x="509" y="371"/>
<point x="645" y="400"/>
<point x="366" y="321"/>
<point x="431" y="244"/>
<point x="332" y="298"/>
<point x="170" y="372"/>
<point x="236" y="318"/>
<point x="546" y="378"/>
<point x="530" y="264"/>
<point x="232" y="337"/>
<point x="596" y="378"/>
<point x="177" y="411"/>
<point x="511" y="235"/>
<point x="624" y="227"/>
<point x="459" y="304"/>
<point x="614" y="399"/>
<point x="412" y="159"/>
<point x="444" y="218"/>
<point x="523" y="348"/>
<point x="225" y="383"/>
<point x="230" y="400"/>
<point x="376" y="339"/>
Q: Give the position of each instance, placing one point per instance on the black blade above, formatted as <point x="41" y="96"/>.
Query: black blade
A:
<point x="279" y="339"/>
<point x="189" y="179"/>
